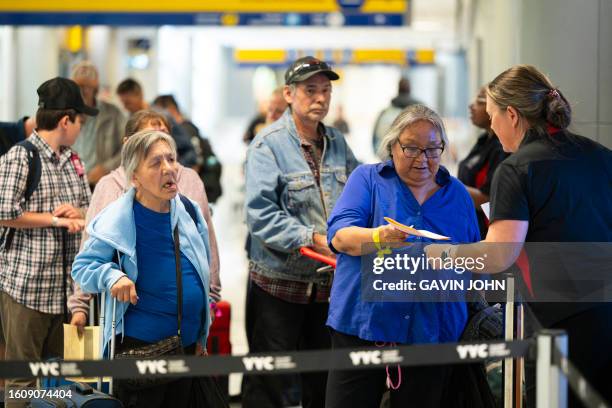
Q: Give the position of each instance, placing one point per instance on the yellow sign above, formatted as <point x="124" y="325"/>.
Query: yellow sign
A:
<point x="200" y="6"/>
<point x="401" y="57"/>
<point x="260" y="56"/>
<point x="425" y="56"/>
<point x="74" y="39"/>
<point x="379" y="56"/>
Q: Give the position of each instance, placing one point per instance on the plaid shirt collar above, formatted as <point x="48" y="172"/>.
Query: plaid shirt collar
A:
<point x="46" y="151"/>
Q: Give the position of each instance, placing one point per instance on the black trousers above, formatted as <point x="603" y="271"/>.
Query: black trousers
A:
<point x="590" y="349"/>
<point x="282" y="326"/>
<point x="175" y="394"/>
<point x="421" y="387"/>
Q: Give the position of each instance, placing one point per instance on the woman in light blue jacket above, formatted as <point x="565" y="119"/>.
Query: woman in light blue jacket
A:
<point x="138" y="231"/>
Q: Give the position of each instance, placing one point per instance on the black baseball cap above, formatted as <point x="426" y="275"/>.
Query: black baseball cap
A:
<point x="63" y="93"/>
<point x="305" y="67"/>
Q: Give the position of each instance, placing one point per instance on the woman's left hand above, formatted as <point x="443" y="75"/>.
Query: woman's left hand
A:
<point x="200" y="351"/>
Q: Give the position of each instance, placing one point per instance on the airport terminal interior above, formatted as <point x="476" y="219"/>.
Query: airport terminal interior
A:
<point x="222" y="60"/>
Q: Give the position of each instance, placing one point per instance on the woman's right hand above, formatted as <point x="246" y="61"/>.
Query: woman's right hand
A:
<point x="388" y="233"/>
<point x="124" y="290"/>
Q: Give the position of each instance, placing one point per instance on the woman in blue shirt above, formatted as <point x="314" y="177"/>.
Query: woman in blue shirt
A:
<point x="139" y="231"/>
<point x="412" y="188"/>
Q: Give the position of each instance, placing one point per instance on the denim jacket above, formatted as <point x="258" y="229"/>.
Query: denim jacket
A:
<point x="284" y="205"/>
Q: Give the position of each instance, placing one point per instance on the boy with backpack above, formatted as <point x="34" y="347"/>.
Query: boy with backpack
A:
<point x="45" y="193"/>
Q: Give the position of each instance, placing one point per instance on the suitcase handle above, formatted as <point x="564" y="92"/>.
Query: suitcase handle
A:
<point x="82" y="388"/>
<point x="318" y="257"/>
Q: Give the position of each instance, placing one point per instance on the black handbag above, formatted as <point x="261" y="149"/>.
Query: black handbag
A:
<point x="206" y="393"/>
<point x="485" y="322"/>
<point x="170" y="346"/>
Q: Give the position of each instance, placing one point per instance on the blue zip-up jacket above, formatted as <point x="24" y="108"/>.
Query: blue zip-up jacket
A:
<point x="114" y="230"/>
<point x="284" y="205"/>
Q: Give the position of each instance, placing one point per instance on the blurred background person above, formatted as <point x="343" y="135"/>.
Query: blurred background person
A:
<point x="477" y="169"/>
<point x="208" y="166"/>
<point x="14" y="132"/>
<point x="131" y="95"/>
<point x="99" y="145"/>
<point x="257" y="123"/>
<point x="340" y="122"/>
<point x="276" y="106"/>
<point x="388" y="115"/>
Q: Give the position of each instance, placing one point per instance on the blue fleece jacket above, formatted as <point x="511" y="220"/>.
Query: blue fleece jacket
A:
<point x="114" y="231"/>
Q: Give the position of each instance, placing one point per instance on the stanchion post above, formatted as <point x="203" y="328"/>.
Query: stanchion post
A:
<point x="551" y="384"/>
<point x="509" y="335"/>
<point x="101" y="299"/>
<point x="519" y="366"/>
<point x="112" y="342"/>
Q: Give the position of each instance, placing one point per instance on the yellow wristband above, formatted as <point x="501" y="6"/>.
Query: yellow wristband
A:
<point x="376" y="238"/>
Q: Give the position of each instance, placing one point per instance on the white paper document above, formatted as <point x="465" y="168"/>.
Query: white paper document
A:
<point x="486" y="208"/>
<point x="413" y="231"/>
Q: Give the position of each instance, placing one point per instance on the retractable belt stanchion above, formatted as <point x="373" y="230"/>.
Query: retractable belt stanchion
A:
<point x="112" y="343"/>
<point x="519" y="366"/>
<point x="509" y="335"/>
<point x="101" y="298"/>
<point x="551" y="384"/>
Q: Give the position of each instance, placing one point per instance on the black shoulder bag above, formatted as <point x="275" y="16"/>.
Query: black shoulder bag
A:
<point x="169" y="346"/>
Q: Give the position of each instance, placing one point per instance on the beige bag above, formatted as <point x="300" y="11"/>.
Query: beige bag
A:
<point x="85" y="347"/>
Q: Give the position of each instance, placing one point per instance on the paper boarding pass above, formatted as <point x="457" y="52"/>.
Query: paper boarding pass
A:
<point x="413" y="231"/>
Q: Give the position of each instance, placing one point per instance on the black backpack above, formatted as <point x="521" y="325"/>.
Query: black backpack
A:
<point x="210" y="171"/>
<point x="34" y="172"/>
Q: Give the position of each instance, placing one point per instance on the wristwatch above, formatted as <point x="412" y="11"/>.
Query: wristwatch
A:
<point x="448" y="252"/>
<point x="54" y="221"/>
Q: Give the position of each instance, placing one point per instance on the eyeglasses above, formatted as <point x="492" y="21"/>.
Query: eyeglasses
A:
<point x="411" y="152"/>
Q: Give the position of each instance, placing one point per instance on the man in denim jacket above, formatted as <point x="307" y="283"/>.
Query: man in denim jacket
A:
<point x="296" y="169"/>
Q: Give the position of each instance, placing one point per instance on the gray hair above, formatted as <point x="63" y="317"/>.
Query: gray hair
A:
<point x="137" y="147"/>
<point x="405" y="119"/>
<point x="84" y="69"/>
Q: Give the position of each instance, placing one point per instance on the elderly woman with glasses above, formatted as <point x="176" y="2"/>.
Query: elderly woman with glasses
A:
<point x="412" y="188"/>
<point x="149" y="250"/>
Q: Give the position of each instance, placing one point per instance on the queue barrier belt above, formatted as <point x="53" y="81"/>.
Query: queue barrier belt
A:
<point x="589" y="397"/>
<point x="268" y="363"/>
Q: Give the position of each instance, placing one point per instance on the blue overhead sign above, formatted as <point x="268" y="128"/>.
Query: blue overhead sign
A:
<point x="333" y="13"/>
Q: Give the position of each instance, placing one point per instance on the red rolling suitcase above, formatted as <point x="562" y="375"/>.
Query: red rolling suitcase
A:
<point x="219" y="338"/>
<point x="219" y="334"/>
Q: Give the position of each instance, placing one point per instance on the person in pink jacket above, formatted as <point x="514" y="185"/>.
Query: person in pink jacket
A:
<point x="114" y="184"/>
